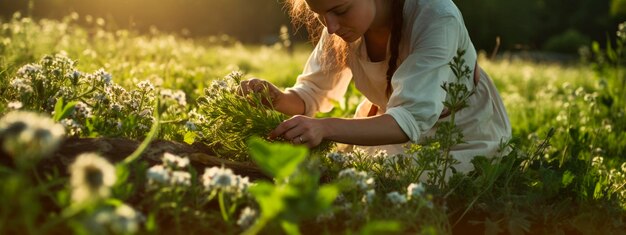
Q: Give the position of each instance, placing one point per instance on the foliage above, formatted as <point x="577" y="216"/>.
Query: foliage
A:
<point x="563" y="173"/>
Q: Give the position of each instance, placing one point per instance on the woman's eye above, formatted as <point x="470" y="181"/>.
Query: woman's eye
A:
<point x="342" y="11"/>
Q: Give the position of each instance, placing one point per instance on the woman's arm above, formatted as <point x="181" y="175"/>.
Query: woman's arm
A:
<point x="379" y="130"/>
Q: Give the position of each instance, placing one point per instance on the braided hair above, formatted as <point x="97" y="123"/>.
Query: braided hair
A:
<point x="397" y="7"/>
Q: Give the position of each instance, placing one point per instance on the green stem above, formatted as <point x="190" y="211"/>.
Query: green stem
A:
<point x="146" y="142"/>
<point x="256" y="228"/>
<point x="222" y="206"/>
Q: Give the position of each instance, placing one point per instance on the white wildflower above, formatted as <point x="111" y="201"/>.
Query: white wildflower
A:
<point x="247" y="217"/>
<point x="414" y="190"/>
<point x="175" y="161"/>
<point x="145" y="86"/>
<point x="92" y="177"/>
<point x="123" y="220"/>
<point x="28" y="134"/>
<point x="219" y="178"/>
<point x="15" y="105"/>
<point x="181" y="178"/>
<point x="159" y="174"/>
<point x="368" y="197"/>
<point x="396" y="198"/>
<point x="336" y="157"/>
<point x="597" y="161"/>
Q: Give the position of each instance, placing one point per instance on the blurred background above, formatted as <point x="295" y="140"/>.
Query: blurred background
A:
<point x="560" y="26"/>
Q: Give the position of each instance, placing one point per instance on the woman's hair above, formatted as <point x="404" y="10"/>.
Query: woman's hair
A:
<point x="336" y="49"/>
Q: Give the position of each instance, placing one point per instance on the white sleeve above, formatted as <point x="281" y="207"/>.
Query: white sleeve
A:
<point x="318" y="89"/>
<point x="417" y="98"/>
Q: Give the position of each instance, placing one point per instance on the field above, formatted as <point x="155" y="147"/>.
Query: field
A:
<point x="565" y="172"/>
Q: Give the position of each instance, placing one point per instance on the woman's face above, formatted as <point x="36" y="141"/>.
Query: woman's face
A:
<point x="348" y="19"/>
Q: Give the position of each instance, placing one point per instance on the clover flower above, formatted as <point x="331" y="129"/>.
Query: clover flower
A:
<point x="247" y="217"/>
<point x="414" y="190"/>
<point x="92" y="177"/>
<point x="30" y="135"/>
<point x="396" y="198"/>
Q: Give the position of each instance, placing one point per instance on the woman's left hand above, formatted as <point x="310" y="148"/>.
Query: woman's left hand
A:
<point x="301" y="130"/>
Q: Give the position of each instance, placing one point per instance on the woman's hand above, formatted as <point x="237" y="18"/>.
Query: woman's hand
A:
<point x="256" y="85"/>
<point x="301" y="130"/>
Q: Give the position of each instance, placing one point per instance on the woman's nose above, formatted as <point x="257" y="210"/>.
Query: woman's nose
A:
<point x="332" y="25"/>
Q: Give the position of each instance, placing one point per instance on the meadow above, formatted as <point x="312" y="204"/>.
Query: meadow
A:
<point x="564" y="171"/>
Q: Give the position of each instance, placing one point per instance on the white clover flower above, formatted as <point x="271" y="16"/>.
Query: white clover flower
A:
<point x="15" y="105"/>
<point x="368" y="198"/>
<point x="396" y="198"/>
<point x="29" y="135"/>
<point x="247" y="217"/>
<point x="175" y="161"/>
<point x="415" y="190"/>
<point x="159" y="174"/>
<point x="92" y="177"/>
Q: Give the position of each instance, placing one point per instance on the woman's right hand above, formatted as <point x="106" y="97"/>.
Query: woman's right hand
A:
<point x="256" y="85"/>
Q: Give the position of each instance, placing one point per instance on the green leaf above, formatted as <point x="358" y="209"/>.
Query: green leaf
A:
<point x="276" y="159"/>
<point x="290" y="227"/>
<point x="567" y="179"/>
<point x="271" y="198"/>
<point x="62" y="111"/>
<point x="326" y="196"/>
<point x="190" y="137"/>
<point x="381" y="227"/>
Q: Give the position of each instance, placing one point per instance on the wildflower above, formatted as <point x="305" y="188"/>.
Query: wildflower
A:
<point x="368" y="198"/>
<point x="358" y="178"/>
<point x="336" y="157"/>
<point x="181" y="178"/>
<point x="190" y="126"/>
<point x="123" y="220"/>
<point x="175" y="161"/>
<point x="215" y="178"/>
<point x="597" y="161"/>
<point x="414" y="190"/>
<point x="82" y="110"/>
<point x="15" y="105"/>
<point x="146" y="86"/>
<point x="73" y="128"/>
<point x="396" y="198"/>
<point x="158" y="173"/>
<point x="104" y="76"/>
<point x="92" y="177"/>
<point x="624" y="167"/>
<point x="28" y="134"/>
<point x="247" y="217"/>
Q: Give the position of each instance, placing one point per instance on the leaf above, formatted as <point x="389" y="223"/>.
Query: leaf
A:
<point x="276" y="159"/>
<point x="62" y="111"/>
<point x="326" y="195"/>
<point x="190" y="137"/>
<point x="271" y="198"/>
<point x="567" y="178"/>
<point x="290" y="227"/>
<point x="381" y="227"/>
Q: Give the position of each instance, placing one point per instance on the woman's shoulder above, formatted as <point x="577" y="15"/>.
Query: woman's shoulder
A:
<point x="431" y="9"/>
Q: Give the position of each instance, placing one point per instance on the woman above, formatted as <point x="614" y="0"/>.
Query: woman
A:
<point x="397" y="52"/>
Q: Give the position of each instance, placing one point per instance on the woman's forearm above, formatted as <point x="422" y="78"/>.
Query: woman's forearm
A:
<point x="289" y="103"/>
<point x="379" y="130"/>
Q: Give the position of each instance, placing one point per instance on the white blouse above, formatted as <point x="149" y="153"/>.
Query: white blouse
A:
<point x="432" y="32"/>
